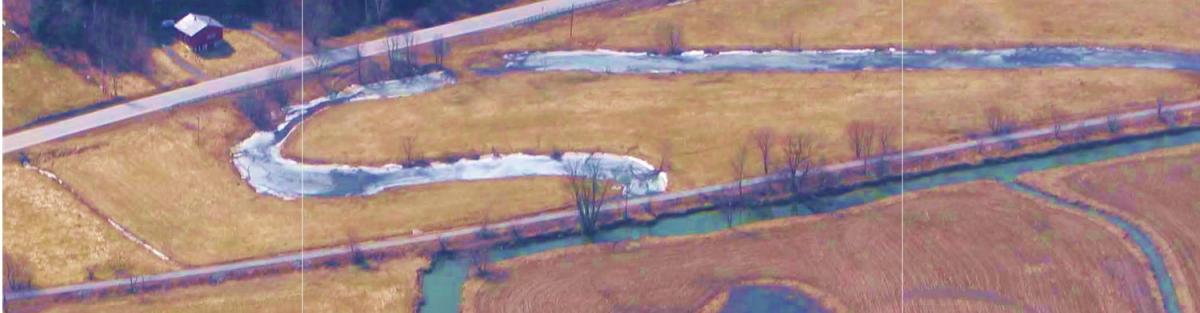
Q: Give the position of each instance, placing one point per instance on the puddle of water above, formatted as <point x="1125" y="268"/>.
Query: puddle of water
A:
<point x="757" y="299"/>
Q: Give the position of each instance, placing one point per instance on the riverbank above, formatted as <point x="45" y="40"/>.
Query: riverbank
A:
<point x="560" y="222"/>
<point x="955" y="236"/>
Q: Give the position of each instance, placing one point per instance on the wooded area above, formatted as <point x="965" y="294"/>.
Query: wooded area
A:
<point x="116" y="35"/>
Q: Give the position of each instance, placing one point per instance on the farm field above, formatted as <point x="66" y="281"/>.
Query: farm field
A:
<point x="636" y="114"/>
<point x="390" y="286"/>
<point x="974" y="247"/>
<point x="56" y="240"/>
<point x="170" y="180"/>
<point x="1153" y="191"/>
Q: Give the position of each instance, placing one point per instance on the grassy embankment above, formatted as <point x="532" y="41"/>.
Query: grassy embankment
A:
<point x="56" y="239"/>
<point x="967" y="248"/>
<point x="1154" y="190"/>
<point x="390" y="286"/>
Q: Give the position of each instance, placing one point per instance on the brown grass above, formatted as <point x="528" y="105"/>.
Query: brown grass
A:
<point x="1154" y="190"/>
<point x="389" y="287"/>
<point x="170" y="180"/>
<point x="958" y="240"/>
<point x="26" y="78"/>
<point x="35" y="85"/>
<point x="58" y="239"/>
<point x="706" y="116"/>
<point x="811" y="24"/>
<point x="249" y="52"/>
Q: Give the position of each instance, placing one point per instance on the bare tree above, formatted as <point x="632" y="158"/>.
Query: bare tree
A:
<point x="886" y="147"/>
<point x="280" y="89"/>
<point x="257" y="111"/>
<point x="590" y="191"/>
<point x="375" y="10"/>
<point x="799" y="160"/>
<point x="357" y="256"/>
<point x="441" y="49"/>
<point x="1058" y="118"/>
<point x="862" y="138"/>
<point x="409" y="145"/>
<point x="398" y="47"/>
<point x="358" y="63"/>
<point x="1113" y="122"/>
<point x="737" y="199"/>
<point x="669" y="37"/>
<point x="480" y="260"/>
<point x="320" y="63"/>
<point x="665" y="150"/>
<point x="764" y="139"/>
<point x="1165" y="115"/>
<point x="999" y="120"/>
<point x="318" y="21"/>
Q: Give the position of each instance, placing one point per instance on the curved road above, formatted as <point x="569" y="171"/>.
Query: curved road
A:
<point x="291" y="68"/>
<point x="561" y="216"/>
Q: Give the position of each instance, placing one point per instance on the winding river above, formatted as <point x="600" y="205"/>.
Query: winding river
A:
<point x="260" y="162"/>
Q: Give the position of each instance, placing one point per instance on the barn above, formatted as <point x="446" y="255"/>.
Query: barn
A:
<point x="199" y="31"/>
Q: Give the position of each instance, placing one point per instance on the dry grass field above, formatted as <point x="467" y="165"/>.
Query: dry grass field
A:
<point x="705" y="117"/>
<point x="25" y="78"/>
<point x="169" y="179"/>
<point x="29" y="74"/>
<point x="973" y="247"/>
<point x="389" y="287"/>
<point x="813" y="24"/>
<point x="1155" y="190"/>
<point x="55" y="237"/>
<point x="248" y="52"/>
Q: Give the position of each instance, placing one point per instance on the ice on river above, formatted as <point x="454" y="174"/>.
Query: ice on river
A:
<point x="262" y="165"/>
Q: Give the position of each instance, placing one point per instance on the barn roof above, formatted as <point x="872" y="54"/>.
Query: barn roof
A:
<point x="193" y="23"/>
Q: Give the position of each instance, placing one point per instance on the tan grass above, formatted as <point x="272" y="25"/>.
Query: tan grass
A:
<point x="170" y="180"/>
<point x="27" y="78"/>
<point x="249" y="52"/>
<point x="964" y="238"/>
<point x="57" y="239"/>
<point x="1154" y="190"/>
<point x="390" y="287"/>
<point x="705" y="117"/>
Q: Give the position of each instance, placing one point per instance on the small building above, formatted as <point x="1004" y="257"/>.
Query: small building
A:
<point x="199" y="31"/>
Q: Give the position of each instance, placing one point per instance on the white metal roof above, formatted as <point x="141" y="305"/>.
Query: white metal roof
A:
<point x="193" y="23"/>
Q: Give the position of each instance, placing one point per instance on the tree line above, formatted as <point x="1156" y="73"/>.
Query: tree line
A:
<point x="117" y="34"/>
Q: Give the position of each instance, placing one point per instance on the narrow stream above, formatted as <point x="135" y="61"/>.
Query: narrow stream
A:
<point x="261" y="164"/>
<point x="1139" y="237"/>
<point x="442" y="286"/>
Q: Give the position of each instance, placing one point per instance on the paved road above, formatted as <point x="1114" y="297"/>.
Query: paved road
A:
<point x="562" y="216"/>
<point x="262" y="75"/>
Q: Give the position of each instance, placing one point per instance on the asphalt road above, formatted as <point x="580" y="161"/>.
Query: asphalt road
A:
<point x="560" y="216"/>
<point x="259" y="76"/>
